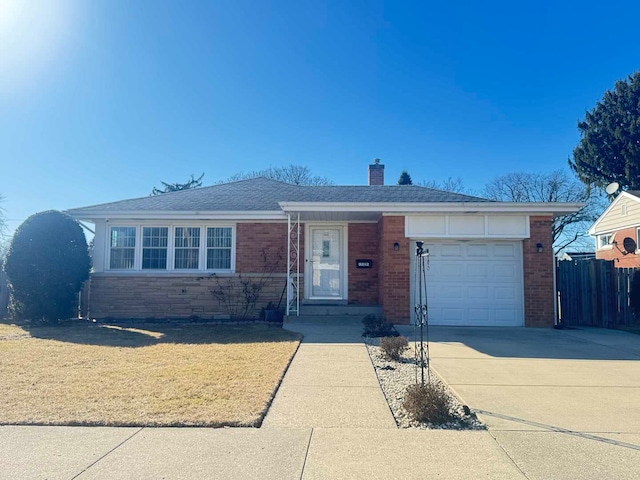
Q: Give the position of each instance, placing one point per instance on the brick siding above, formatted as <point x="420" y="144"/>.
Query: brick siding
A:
<point x="630" y="260"/>
<point x="167" y="296"/>
<point x="538" y="274"/>
<point x="363" y="282"/>
<point x="394" y="286"/>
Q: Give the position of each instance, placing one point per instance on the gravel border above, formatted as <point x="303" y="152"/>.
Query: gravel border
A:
<point x="394" y="378"/>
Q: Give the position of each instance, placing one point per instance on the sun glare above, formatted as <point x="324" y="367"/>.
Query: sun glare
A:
<point x="32" y="39"/>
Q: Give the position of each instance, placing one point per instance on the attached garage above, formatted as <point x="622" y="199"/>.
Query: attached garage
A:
<point x="472" y="282"/>
<point x="475" y="275"/>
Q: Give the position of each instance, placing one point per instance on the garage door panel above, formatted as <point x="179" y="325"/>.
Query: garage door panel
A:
<point x="474" y="283"/>
<point x="503" y="272"/>
<point x="478" y="293"/>
<point x="478" y="250"/>
<point x="477" y="270"/>
<point x="449" y="251"/>
<point x="506" y="293"/>
<point x="505" y="250"/>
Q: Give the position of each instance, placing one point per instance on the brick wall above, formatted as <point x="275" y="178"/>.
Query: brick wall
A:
<point x="166" y="296"/>
<point x="363" y="282"/>
<point x="261" y="252"/>
<point x="629" y="260"/>
<point x="255" y="240"/>
<point x="394" y="273"/>
<point x="538" y="274"/>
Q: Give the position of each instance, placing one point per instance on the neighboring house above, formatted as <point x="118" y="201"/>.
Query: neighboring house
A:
<point x="616" y="231"/>
<point x="490" y="263"/>
<point x="576" y="256"/>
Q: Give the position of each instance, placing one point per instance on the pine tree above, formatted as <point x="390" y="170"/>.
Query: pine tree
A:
<point x="609" y="147"/>
<point x="405" y="178"/>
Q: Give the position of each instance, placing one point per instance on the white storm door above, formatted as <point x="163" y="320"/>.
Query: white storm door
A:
<point x="326" y="263"/>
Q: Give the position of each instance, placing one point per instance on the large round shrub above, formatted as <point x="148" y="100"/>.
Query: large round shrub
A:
<point x="47" y="263"/>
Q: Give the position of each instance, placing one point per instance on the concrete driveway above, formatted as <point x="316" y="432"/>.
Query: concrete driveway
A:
<point x="562" y="404"/>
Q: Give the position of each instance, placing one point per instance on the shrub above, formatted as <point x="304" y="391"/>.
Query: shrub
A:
<point x="47" y="263"/>
<point x="377" y="326"/>
<point x="393" y="347"/>
<point x="428" y="403"/>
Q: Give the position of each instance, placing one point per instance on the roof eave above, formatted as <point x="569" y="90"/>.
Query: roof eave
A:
<point x="555" y="209"/>
<point x="91" y="215"/>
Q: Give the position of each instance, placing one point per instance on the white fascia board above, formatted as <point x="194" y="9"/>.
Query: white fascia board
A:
<point x="90" y="216"/>
<point x="593" y="229"/>
<point x="439" y="207"/>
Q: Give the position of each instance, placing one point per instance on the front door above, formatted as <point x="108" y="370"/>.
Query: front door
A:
<point x="326" y="263"/>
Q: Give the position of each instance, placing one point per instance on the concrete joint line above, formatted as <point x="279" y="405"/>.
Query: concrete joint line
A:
<point x="109" y="452"/>
<point x="553" y="429"/>
<point x="507" y="454"/>
<point x="306" y="454"/>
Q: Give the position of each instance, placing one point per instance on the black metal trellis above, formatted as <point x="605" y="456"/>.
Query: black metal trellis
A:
<point x="421" y="323"/>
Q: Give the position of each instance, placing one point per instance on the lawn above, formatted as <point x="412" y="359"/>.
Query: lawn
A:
<point x="87" y="374"/>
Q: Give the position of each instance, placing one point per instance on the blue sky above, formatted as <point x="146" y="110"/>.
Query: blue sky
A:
<point x="102" y="100"/>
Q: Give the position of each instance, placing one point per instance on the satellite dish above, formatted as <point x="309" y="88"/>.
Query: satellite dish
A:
<point x="612" y="188"/>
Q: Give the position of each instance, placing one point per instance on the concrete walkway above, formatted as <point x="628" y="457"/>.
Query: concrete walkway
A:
<point x="559" y="405"/>
<point x="330" y="383"/>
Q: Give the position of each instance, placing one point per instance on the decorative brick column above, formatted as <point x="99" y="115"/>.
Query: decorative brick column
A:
<point x="538" y="274"/>
<point x="394" y="271"/>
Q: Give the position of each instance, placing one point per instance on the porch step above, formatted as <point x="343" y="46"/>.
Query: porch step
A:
<point x="324" y="320"/>
<point x="332" y="313"/>
<point x="339" y="310"/>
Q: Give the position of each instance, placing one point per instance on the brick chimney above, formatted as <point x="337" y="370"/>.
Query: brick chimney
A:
<point x="376" y="173"/>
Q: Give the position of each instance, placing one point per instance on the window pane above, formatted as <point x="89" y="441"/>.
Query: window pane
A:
<point x="123" y="243"/>
<point x="219" y="248"/>
<point x="187" y="258"/>
<point x="154" y="247"/>
<point x="219" y="258"/>
<point x="187" y="247"/>
<point x="187" y="237"/>
<point x="219" y="237"/>
<point x="123" y="237"/>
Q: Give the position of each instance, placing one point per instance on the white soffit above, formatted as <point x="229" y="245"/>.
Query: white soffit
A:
<point x="470" y="226"/>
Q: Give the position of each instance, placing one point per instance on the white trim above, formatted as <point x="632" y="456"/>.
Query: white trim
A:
<point x="484" y="236"/>
<point x="142" y="215"/>
<point x="593" y="230"/>
<point x="433" y="207"/>
<point x="344" y="261"/>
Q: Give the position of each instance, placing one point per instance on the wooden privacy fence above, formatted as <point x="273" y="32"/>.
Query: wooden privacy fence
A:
<point x="594" y="293"/>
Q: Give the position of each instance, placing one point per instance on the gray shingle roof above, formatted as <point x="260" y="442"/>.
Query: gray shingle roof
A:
<point x="262" y="194"/>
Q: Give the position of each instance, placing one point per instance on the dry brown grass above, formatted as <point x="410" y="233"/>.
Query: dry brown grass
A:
<point x="153" y="375"/>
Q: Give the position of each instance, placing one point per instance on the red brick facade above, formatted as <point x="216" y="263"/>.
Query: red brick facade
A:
<point x="386" y="284"/>
<point x="538" y="274"/>
<point x="363" y="282"/>
<point x="394" y="287"/>
<point x="619" y="254"/>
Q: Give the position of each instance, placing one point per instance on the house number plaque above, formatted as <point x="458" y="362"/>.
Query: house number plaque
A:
<point x="360" y="263"/>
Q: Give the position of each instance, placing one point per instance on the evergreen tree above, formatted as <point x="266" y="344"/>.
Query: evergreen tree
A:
<point x="47" y="263"/>
<point x="405" y="178"/>
<point x="609" y="147"/>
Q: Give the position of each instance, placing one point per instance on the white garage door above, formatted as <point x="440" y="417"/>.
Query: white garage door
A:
<point x="473" y="283"/>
